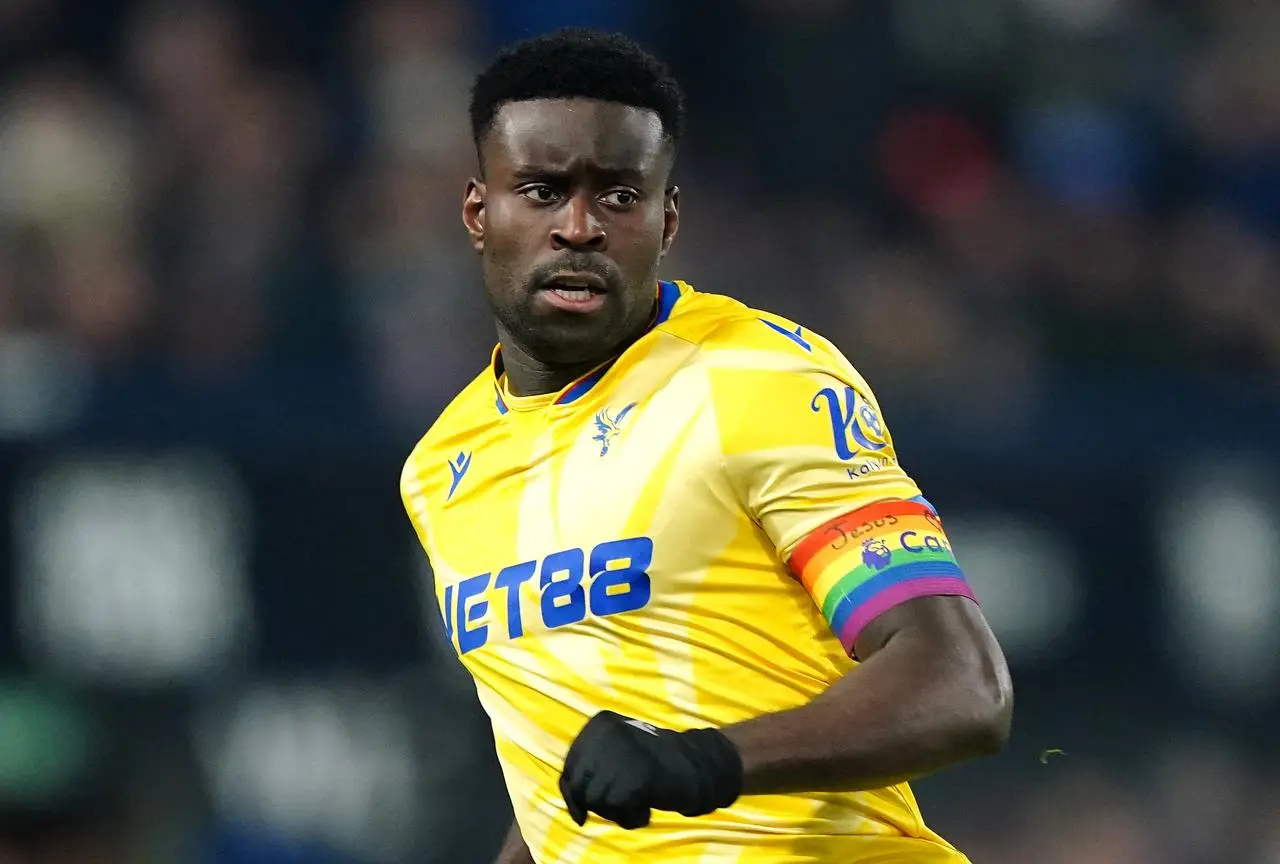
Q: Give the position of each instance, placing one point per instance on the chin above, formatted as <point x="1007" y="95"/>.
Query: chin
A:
<point x="572" y="345"/>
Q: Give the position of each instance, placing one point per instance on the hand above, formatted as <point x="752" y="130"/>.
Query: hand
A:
<point x="620" y="769"/>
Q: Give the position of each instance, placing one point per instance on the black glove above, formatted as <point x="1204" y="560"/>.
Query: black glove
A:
<point x="621" y="768"/>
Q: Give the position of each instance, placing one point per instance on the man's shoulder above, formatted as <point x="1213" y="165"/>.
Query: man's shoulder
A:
<point x="729" y="332"/>
<point x="474" y="406"/>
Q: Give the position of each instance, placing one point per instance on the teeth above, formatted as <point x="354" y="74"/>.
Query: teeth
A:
<point x="575" y="294"/>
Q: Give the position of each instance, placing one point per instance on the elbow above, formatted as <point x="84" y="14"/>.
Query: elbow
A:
<point x="991" y="701"/>
<point x="994" y="725"/>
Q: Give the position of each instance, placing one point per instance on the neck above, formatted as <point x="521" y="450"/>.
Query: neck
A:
<point x="527" y="376"/>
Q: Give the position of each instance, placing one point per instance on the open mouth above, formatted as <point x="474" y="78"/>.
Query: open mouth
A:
<point x="575" y="291"/>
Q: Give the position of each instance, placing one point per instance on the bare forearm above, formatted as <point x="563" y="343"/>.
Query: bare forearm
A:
<point x="904" y="713"/>
<point x="514" y="850"/>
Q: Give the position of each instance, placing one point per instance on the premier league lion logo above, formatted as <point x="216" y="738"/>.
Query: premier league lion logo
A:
<point x="875" y="554"/>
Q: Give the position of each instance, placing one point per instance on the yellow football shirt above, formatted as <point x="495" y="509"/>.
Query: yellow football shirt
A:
<point x="691" y="535"/>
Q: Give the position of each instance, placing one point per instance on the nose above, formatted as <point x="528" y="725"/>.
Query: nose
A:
<point x="579" y="227"/>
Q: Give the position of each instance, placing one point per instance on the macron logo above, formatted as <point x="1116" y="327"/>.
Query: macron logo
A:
<point x="643" y="726"/>
<point x="794" y="335"/>
<point x="458" y="468"/>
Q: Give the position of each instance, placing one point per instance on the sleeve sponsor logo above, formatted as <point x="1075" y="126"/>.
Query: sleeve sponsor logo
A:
<point x="855" y="425"/>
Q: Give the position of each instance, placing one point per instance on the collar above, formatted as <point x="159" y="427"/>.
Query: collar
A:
<point x="668" y="294"/>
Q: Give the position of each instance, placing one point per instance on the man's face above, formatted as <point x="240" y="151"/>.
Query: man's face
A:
<point x="571" y="219"/>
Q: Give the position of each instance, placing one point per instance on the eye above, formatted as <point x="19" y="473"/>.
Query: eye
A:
<point x="540" y="193"/>
<point x="621" y="197"/>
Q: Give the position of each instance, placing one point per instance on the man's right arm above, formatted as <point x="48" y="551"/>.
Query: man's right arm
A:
<point x="514" y="850"/>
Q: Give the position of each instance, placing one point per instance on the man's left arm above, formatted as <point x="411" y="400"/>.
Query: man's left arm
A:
<point x="933" y="690"/>
<point x="821" y="476"/>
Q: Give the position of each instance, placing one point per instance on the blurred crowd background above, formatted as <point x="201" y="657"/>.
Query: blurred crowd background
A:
<point x="234" y="290"/>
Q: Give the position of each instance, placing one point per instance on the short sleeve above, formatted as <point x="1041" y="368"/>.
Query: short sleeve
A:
<point x="803" y="443"/>
<point x="806" y="448"/>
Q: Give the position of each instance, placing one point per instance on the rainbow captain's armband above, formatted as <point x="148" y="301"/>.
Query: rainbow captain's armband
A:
<point x="864" y="563"/>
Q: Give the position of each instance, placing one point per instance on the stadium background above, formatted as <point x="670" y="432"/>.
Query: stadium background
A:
<point x="234" y="290"/>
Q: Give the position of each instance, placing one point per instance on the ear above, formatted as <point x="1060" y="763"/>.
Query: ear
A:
<point x="670" y="217"/>
<point x="473" y="216"/>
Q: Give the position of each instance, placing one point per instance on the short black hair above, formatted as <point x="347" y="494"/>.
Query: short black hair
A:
<point x="577" y="63"/>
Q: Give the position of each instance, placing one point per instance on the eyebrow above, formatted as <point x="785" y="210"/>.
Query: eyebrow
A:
<point x="632" y="176"/>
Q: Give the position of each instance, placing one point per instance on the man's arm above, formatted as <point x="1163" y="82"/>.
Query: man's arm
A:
<point x="514" y="850"/>
<point x="932" y="690"/>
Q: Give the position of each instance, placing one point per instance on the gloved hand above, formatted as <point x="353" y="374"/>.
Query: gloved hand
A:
<point x="620" y="769"/>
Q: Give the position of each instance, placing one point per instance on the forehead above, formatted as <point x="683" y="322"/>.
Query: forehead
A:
<point x="562" y="134"/>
